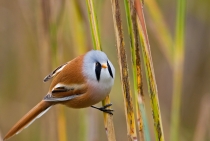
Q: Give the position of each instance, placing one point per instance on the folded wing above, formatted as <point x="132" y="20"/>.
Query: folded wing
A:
<point x="54" y="73"/>
<point x="63" y="92"/>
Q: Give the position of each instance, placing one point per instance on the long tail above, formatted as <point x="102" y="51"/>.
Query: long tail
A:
<point x="41" y="108"/>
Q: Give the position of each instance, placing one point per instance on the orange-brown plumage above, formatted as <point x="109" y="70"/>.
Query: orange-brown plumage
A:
<point x="73" y="67"/>
<point x="40" y="107"/>
<point x="80" y="83"/>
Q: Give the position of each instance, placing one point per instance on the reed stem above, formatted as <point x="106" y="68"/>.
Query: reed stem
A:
<point x="129" y="109"/>
<point x="137" y="70"/>
<point x="108" y="119"/>
<point x="178" y="70"/>
<point x="150" y="75"/>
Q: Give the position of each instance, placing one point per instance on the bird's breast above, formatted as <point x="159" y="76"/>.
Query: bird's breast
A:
<point x="96" y="92"/>
<point x="99" y="90"/>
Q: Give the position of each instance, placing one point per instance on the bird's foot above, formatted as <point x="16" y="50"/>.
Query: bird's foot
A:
<point x="103" y="109"/>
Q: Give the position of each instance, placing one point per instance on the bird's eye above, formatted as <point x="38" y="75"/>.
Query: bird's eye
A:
<point x="110" y="70"/>
<point x="98" y="70"/>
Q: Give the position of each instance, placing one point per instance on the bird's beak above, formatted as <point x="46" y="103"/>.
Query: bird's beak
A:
<point x="104" y="66"/>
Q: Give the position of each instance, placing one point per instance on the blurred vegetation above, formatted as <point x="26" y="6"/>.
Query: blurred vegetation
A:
<point x="28" y="30"/>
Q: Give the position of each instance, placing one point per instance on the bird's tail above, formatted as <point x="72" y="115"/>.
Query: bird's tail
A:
<point x="41" y="108"/>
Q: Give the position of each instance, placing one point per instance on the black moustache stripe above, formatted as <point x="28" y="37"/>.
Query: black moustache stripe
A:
<point x="110" y="70"/>
<point x="98" y="70"/>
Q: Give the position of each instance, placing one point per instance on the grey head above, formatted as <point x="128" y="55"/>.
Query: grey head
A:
<point x="97" y="67"/>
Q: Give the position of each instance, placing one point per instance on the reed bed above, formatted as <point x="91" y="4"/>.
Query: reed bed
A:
<point x="61" y="32"/>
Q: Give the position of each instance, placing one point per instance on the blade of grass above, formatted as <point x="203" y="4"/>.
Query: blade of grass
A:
<point x="50" y="31"/>
<point x="129" y="111"/>
<point x="137" y="75"/>
<point x="80" y="43"/>
<point x="108" y="119"/>
<point x="93" y="25"/>
<point x="61" y="115"/>
<point x="161" y="28"/>
<point x="80" y="39"/>
<point x="152" y="87"/>
<point x="178" y="70"/>
<point x="46" y="61"/>
<point x="53" y="31"/>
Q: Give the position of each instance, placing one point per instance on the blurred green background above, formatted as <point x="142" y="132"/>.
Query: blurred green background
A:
<point x="29" y="32"/>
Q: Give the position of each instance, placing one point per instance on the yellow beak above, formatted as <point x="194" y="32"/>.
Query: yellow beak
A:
<point x="104" y="65"/>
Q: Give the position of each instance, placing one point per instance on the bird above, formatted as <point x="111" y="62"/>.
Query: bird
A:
<point x="79" y="83"/>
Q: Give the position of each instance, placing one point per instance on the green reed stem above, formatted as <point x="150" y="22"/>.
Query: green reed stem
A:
<point x="178" y="70"/>
<point x="137" y="69"/>
<point x="108" y="119"/>
<point x="150" y="75"/>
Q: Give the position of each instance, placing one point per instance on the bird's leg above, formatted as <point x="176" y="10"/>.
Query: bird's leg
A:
<point x="103" y="109"/>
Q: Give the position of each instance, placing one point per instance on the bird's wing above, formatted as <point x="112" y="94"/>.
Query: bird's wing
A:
<point x="68" y="83"/>
<point x="63" y="92"/>
<point x="55" y="72"/>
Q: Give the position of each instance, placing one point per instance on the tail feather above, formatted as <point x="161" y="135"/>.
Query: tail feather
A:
<point x="40" y="109"/>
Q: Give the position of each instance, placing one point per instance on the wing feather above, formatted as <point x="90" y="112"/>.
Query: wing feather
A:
<point x="65" y="92"/>
<point x="54" y="73"/>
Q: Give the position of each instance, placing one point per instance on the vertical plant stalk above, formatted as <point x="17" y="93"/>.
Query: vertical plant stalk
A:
<point x="93" y="25"/>
<point x="108" y="119"/>
<point x="161" y="28"/>
<point x="61" y="115"/>
<point x="129" y="110"/>
<point x="45" y="41"/>
<point x="62" y="136"/>
<point x="53" y="30"/>
<point x="79" y="40"/>
<point x="178" y="70"/>
<point x="137" y="70"/>
<point x="153" y="93"/>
